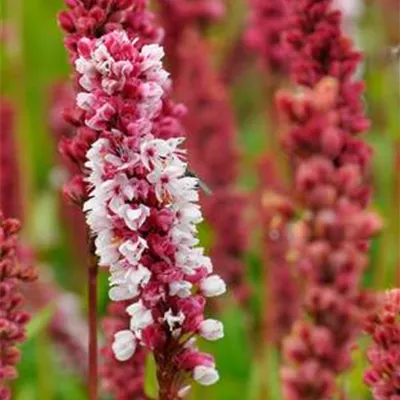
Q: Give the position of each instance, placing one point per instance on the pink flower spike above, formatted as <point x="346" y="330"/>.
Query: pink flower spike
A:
<point x="143" y="211"/>
<point x="331" y="238"/>
<point x="383" y="376"/>
<point x="12" y="319"/>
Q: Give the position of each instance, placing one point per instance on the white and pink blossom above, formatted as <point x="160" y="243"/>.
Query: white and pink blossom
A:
<point x="142" y="207"/>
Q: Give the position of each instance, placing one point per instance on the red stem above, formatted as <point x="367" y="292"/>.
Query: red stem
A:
<point x="92" y="288"/>
<point x="397" y="205"/>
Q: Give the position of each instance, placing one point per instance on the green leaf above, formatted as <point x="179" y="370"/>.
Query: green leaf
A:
<point x="40" y="321"/>
<point x="272" y="369"/>
<point x="26" y="393"/>
<point x="45" y="231"/>
<point x="150" y="379"/>
<point x="255" y="382"/>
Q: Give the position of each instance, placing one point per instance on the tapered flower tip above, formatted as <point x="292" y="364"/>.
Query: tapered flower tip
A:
<point x="206" y="376"/>
<point x="124" y="345"/>
<point x="213" y="286"/>
<point x="211" y="329"/>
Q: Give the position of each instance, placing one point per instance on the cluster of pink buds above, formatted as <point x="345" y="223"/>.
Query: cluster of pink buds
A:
<point x="383" y="377"/>
<point x="332" y="236"/>
<point x="331" y="240"/>
<point x="12" y="319"/>
<point x="92" y="19"/>
<point x="142" y="209"/>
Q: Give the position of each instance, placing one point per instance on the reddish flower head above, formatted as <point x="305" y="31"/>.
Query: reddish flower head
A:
<point x="331" y="239"/>
<point x="383" y="377"/>
<point x="12" y="319"/>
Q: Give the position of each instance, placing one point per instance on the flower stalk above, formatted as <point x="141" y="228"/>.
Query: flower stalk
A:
<point x="332" y="236"/>
<point x="93" y="348"/>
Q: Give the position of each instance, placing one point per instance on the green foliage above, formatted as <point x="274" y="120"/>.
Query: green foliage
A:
<point x="39" y="321"/>
<point x="150" y="379"/>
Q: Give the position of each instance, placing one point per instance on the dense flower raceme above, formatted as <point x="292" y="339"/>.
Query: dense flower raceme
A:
<point x="267" y="22"/>
<point x="91" y="19"/>
<point x="12" y="319"/>
<point x="211" y="143"/>
<point x="330" y="176"/>
<point x="316" y="47"/>
<point x="143" y="210"/>
<point x="123" y="379"/>
<point x="383" y="377"/>
<point x="331" y="240"/>
<point x="10" y="199"/>
<point x="276" y="212"/>
<point x="94" y="18"/>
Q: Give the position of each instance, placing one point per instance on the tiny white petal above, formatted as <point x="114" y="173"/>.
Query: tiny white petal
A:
<point x="85" y="100"/>
<point x="118" y="293"/>
<point x="205" y="375"/>
<point x="124" y="345"/>
<point x="181" y="289"/>
<point x="173" y="320"/>
<point x="213" y="286"/>
<point x="211" y="329"/>
<point x="141" y="317"/>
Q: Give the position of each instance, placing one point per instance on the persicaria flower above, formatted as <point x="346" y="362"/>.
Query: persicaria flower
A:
<point x="383" y="376"/>
<point x="331" y="239"/>
<point x="143" y="209"/>
<point x="12" y="319"/>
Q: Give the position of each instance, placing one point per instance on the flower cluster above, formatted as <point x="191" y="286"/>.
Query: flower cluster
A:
<point x="123" y="379"/>
<point x="331" y="241"/>
<point x="267" y="22"/>
<point x="142" y="209"/>
<point x="12" y="319"/>
<point x="10" y="199"/>
<point x="332" y="237"/>
<point x="383" y="377"/>
<point x="92" y="19"/>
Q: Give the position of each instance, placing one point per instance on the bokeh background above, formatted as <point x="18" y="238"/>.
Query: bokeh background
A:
<point x="34" y="63"/>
